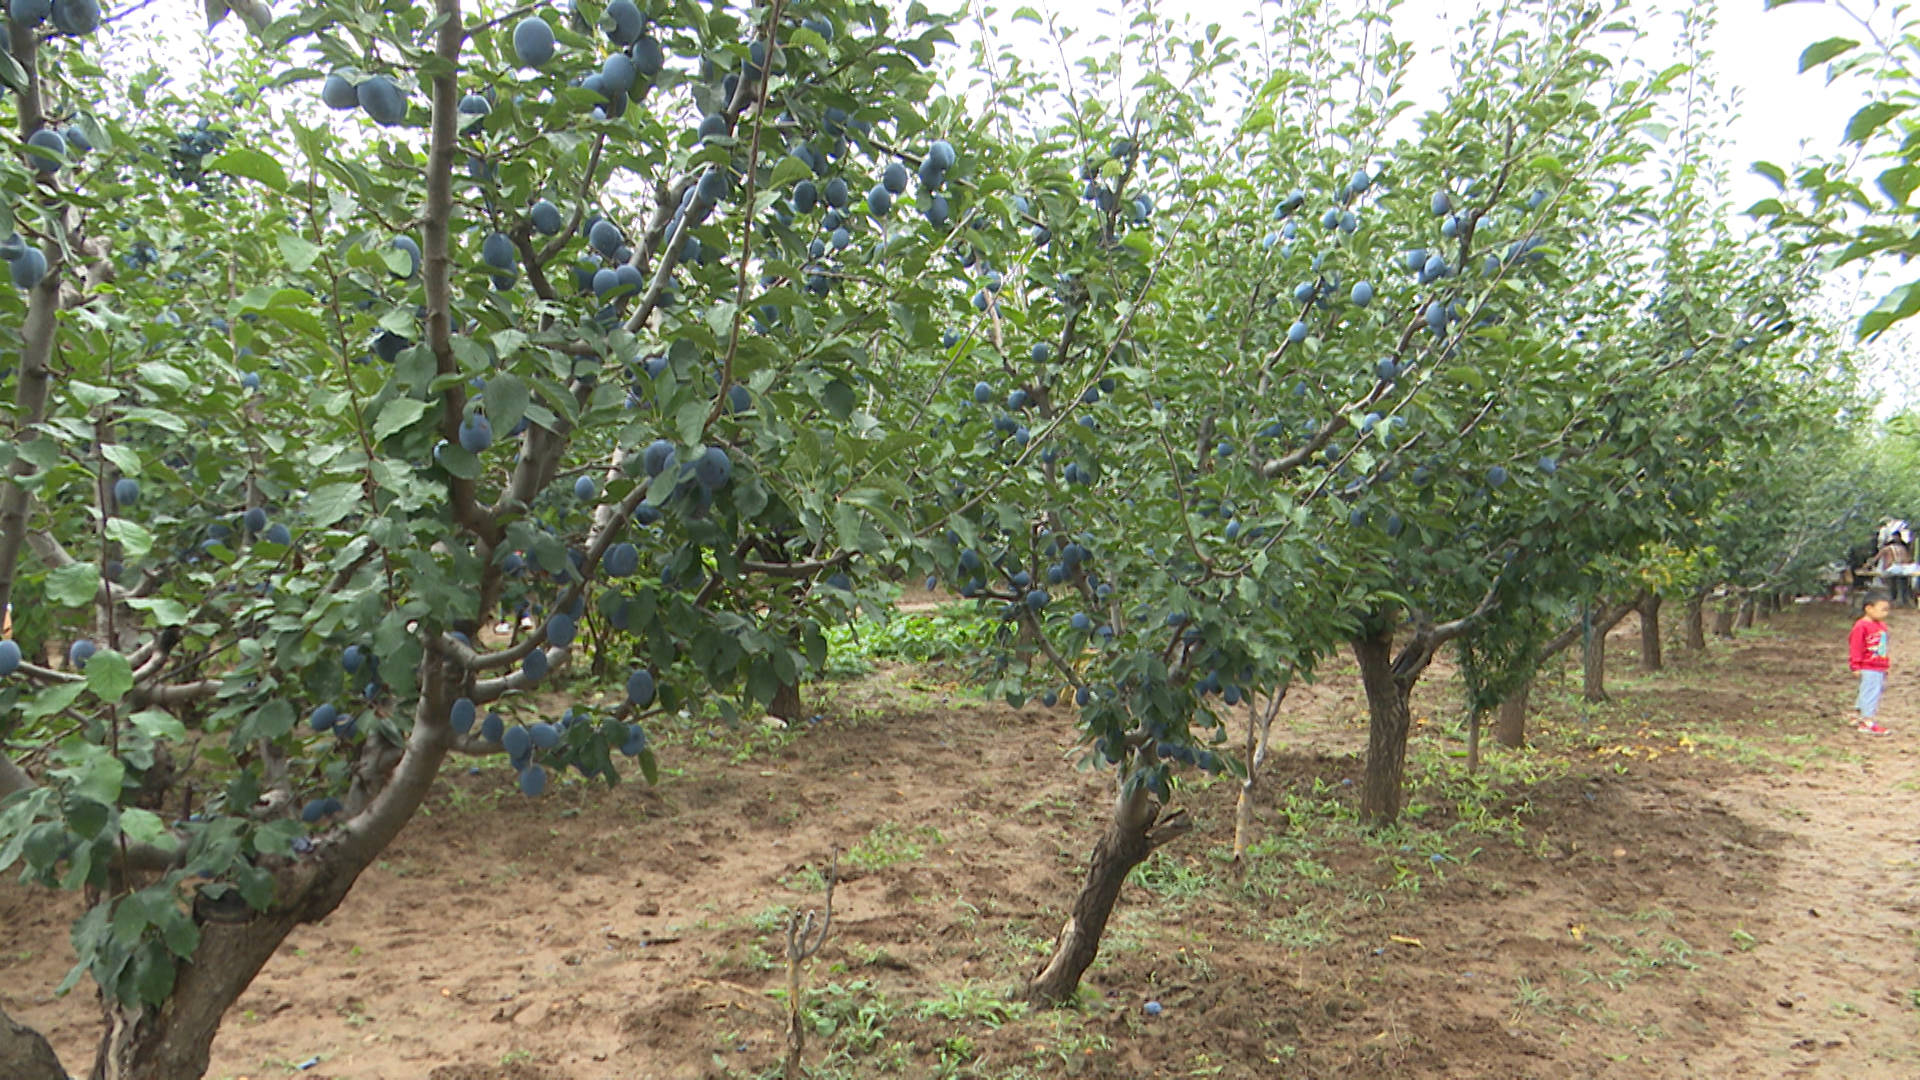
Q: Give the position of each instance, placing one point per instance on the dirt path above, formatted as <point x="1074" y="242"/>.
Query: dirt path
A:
<point x="1838" y="978"/>
<point x="1710" y="877"/>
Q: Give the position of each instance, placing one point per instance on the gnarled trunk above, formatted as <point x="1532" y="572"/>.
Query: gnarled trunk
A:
<point x="1696" y="622"/>
<point x="1132" y="834"/>
<point x="174" y="1041"/>
<point x="1388" y="721"/>
<point x="1593" y="663"/>
<point x="1650" y="633"/>
<point x="1593" y="648"/>
<point x="1511" y="727"/>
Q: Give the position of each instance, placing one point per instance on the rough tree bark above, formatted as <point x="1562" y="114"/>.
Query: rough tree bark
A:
<point x="1745" y="619"/>
<point x="1511" y="726"/>
<point x="1650" y="633"/>
<point x="1696" y="622"/>
<point x="1388" y="720"/>
<point x="1593" y="649"/>
<point x="1593" y="662"/>
<point x="788" y="705"/>
<point x="1134" y="831"/>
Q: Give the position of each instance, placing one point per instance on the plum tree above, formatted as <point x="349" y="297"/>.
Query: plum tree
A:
<point x="1403" y="432"/>
<point x="412" y="537"/>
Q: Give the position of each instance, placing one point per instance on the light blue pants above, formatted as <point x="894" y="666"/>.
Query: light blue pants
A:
<point x="1871" y="684"/>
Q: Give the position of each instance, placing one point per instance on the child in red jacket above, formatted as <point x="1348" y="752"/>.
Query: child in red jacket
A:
<point x="1867" y="654"/>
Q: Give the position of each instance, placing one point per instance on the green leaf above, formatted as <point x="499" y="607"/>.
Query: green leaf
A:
<point x="109" y="676"/>
<point x="1822" y="51"/>
<point x="153" y="974"/>
<point x="165" y="612"/>
<point x="253" y="165"/>
<point x="147" y="827"/>
<point x="158" y="725"/>
<point x="94" y="772"/>
<point x="397" y="415"/>
<point x="52" y="700"/>
<point x="690" y="420"/>
<point x="327" y="505"/>
<point x="73" y="585"/>
<point x="159" y="418"/>
<point x="300" y="254"/>
<point x="790" y="170"/>
<point x="1899" y="182"/>
<point x="90" y="395"/>
<point x="165" y="376"/>
<point x="270" y="721"/>
<point x="506" y="399"/>
<point x="11" y="73"/>
<point x="458" y="461"/>
<point x="276" y="837"/>
<point x="1901" y="303"/>
<point x="86" y="817"/>
<point x="134" y="540"/>
<point x="1872" y="117"/>
<point x="125" y="458"/>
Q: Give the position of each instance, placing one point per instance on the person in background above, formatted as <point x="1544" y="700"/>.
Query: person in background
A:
<point x="1867" y="657"/>
<point x="1891" y="560"/>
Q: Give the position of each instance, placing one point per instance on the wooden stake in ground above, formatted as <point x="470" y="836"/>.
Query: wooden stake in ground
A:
<point x="803" y="940"/>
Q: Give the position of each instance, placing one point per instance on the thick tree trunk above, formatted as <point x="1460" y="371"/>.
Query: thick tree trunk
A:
<point x="1474" y="725"/>
<point x="1593" y="648"/>
<point x="788" y="705"/>
<point x="1696" y="623"/>
<point x="1387" y="724"/>
<point x="1723" y="618"/>
<point x="174" y="1041"/>
<point x="1511" y="728"/>
<point x="1130" y="837"/>
<point x="1650" y="633"/>
<point x="1593" y="663"/>
<point x="1745" y="619"/>
<point x="25" y="1055"/>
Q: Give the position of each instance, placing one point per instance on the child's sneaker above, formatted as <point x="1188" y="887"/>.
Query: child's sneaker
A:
<point x="1871" y="727"/>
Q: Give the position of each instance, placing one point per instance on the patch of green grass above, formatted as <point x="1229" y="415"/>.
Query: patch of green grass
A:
<point x="771" y="920"/>
<point x="970" y="1003"/>
<point x="1173" y="879"/>
<point x="1306" y="927"/>
<point x="889" y="844"/>
<point x="954" y="632"/>
<point x="851" y="1018"/>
